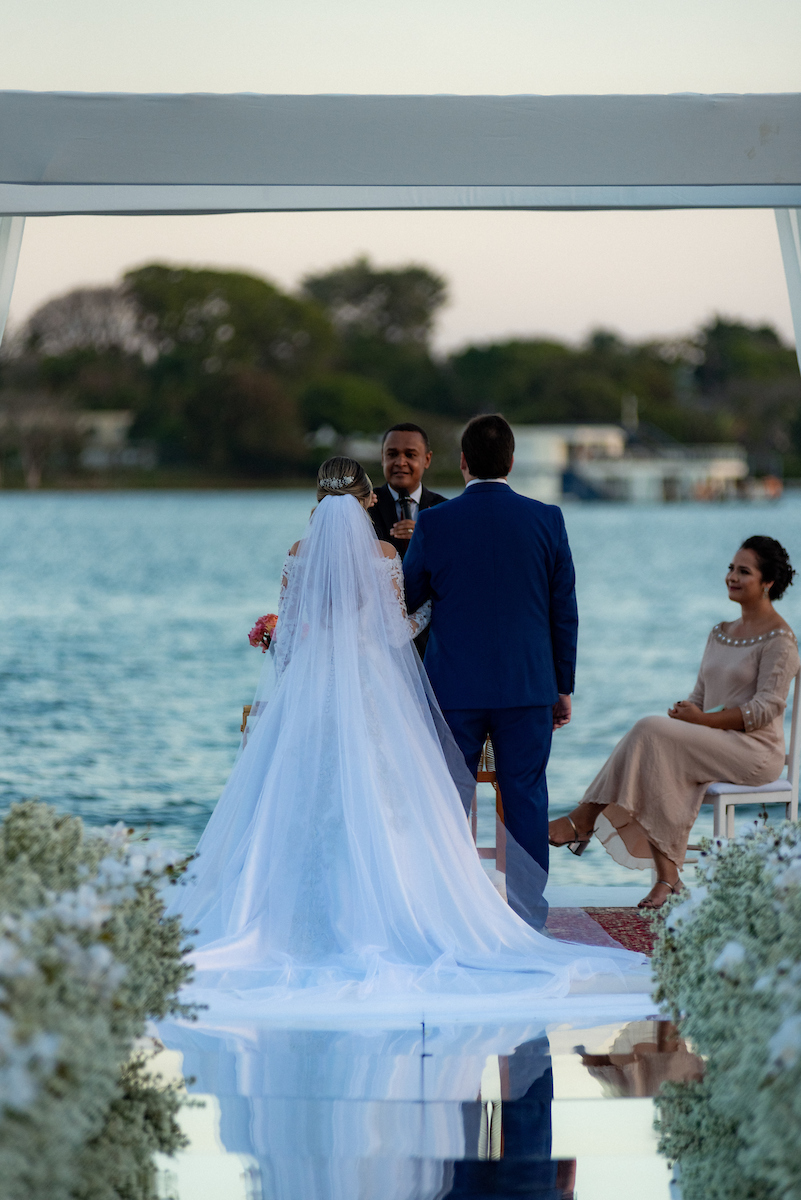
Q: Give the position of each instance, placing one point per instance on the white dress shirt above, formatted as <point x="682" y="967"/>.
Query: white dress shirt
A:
<point x="413" y="496"/>
<point x="504" y="480"/>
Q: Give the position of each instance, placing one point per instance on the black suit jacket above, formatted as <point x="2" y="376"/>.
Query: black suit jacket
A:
<point x="384" y="514"/>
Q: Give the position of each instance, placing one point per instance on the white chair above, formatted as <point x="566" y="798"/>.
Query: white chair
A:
<point x="726" y="796"/>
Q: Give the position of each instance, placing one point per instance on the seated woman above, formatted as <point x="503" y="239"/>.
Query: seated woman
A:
<point x="644" y="800"/>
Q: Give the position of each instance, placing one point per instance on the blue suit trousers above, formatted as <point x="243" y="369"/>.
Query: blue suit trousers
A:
<point x="522" y="741"/>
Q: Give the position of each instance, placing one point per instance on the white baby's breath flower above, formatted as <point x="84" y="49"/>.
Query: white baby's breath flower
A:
<point x="24" y="1064"/>
<point x="95" y="966"/>
<point x="13" y="963"/>
<point x="747" y="831"/>
<point x="686" y="912"/>
<point x="159" y="858"/>
<point x="785" y="1045"/>
<point x="791" y="877"/>
<point x="137" y="865"/>
<point x="115" y="836"/>
<point x="83" y="908"/>
<point x="732" y="955"/>
<point x="111" y="871"/>
<point x="706" y="867"/>
<point x="18" y="1087"/>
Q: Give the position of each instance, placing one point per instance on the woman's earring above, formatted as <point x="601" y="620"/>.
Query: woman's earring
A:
<point x="766" y="590"/>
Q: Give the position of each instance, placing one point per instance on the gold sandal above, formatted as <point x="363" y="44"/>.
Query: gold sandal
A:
<point x="673" y="888"/>
<point x="576" y="845"/>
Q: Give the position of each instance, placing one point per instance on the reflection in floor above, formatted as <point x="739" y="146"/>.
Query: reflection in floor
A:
<point x="527" y="1110"/>
<point x="421" y="1114"/>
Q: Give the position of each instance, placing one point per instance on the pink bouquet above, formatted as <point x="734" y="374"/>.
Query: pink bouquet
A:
<point x="262" y="632"/>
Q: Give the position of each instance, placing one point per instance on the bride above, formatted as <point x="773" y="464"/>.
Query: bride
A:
<point x="338" y="870"/>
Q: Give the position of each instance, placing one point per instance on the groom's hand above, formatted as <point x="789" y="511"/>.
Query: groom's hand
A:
<point x="402" y="530"/>
<point x="562" y="711"/>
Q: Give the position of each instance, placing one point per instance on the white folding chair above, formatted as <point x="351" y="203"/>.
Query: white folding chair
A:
<point x="726" y="796"/>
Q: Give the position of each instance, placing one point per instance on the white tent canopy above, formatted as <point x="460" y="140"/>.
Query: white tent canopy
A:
<point x="64" y="153"/>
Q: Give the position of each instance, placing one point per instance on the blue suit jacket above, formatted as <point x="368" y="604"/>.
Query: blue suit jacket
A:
<point x="504" y="620"/>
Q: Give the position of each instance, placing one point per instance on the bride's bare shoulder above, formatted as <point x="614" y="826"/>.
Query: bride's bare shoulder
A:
<point x="387" y="550"/>
<point x="294" y="549"/>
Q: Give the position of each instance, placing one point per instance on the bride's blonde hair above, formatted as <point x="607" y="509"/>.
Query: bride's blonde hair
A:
<point x="340" y="476"/>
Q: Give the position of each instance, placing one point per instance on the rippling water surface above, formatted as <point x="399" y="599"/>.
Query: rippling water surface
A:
<point x="124" y="660"/>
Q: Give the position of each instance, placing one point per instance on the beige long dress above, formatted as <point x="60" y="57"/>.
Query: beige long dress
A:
<point x="655" y="778"/>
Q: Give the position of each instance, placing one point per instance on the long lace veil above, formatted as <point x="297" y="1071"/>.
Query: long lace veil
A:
<point x="340" y="598"/>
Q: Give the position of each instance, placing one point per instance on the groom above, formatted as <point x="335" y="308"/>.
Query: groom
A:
<point x="501" y="654"/>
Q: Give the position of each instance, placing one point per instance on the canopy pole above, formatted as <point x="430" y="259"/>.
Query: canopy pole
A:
<point x="10" y="242"/>
<point x="788" y="221"/>
<point x="11" y="229"/>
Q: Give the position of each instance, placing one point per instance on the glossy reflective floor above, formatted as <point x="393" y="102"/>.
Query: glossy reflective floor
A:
<point x="421" y="1113"/>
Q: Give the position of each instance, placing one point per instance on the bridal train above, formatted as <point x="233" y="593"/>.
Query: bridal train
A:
<point x="337" y="874"/>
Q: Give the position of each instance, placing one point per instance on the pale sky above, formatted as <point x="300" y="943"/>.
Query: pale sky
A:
<point x="510" y="273"/>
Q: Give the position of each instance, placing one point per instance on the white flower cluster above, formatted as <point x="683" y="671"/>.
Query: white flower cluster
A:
<point x="785" y="1045"/>
<point x="23" y="1064"/>
<point x="731" y="956"/>
<point x="58" y="936"/>
<point x="728" y="964"/>
<point x="86" y="957"/>
<point x="688" y="908"/>
<point x="126" y="866"/>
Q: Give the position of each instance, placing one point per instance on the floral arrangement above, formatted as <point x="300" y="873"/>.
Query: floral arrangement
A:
<point x="86" y="957"/>
<point x="262" y="632"/>
<point x="728" y="965"/>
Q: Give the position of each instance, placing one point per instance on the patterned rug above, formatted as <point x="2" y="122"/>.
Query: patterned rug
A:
<point x="626" y="927"/>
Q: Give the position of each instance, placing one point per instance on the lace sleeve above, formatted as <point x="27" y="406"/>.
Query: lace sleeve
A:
<point x="778" y="664"/>
<point x="287" y="567"/>
<point x="284" y="628"/>
<point x="417" y="622"/>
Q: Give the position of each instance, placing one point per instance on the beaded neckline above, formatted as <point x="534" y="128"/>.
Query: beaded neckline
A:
<point x="763" y="637"/>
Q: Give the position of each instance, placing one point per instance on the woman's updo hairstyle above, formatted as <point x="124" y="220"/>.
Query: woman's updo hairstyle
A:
<point x="774" y="564"/>
<point x="340" y="476"/>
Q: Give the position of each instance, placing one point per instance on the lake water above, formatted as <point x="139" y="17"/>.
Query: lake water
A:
<point x="124" y="660"/>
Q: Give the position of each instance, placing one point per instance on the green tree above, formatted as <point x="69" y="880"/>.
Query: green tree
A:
<point x="231" y="353"/>
<point x="392" y="306"/>
<point x="349" y="404"/>
<point x="541" y="381"/>
<point x="98" y="379"/>
<point x="747" y="374"/>
<point x="384" y="320"/>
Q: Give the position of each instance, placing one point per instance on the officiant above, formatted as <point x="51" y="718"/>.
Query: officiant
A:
<point x="405" y="457"/>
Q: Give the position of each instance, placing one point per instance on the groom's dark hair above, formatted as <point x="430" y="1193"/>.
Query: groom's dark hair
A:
<point x="488" y="445"/>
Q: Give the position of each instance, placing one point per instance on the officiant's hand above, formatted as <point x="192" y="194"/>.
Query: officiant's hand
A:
<point x="402" y="530"/>
<point x="562" y="711"/>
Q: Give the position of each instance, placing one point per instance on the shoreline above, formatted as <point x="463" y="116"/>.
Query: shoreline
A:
<point x="186" y="481"/>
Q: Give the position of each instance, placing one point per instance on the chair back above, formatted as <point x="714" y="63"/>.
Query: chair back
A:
<point x="794" y="749"/>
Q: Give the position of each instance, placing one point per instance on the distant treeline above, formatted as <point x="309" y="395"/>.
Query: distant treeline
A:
<point x="227" y="374"/>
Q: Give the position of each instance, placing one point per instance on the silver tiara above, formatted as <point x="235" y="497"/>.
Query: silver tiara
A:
<point x="337" y="483"/>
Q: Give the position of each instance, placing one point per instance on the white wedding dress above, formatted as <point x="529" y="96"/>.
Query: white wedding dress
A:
<point x="337" y="878"/>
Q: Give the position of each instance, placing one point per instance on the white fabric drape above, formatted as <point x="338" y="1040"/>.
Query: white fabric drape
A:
<point x="11" y="229"/>
<point x="788" y="221"/>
